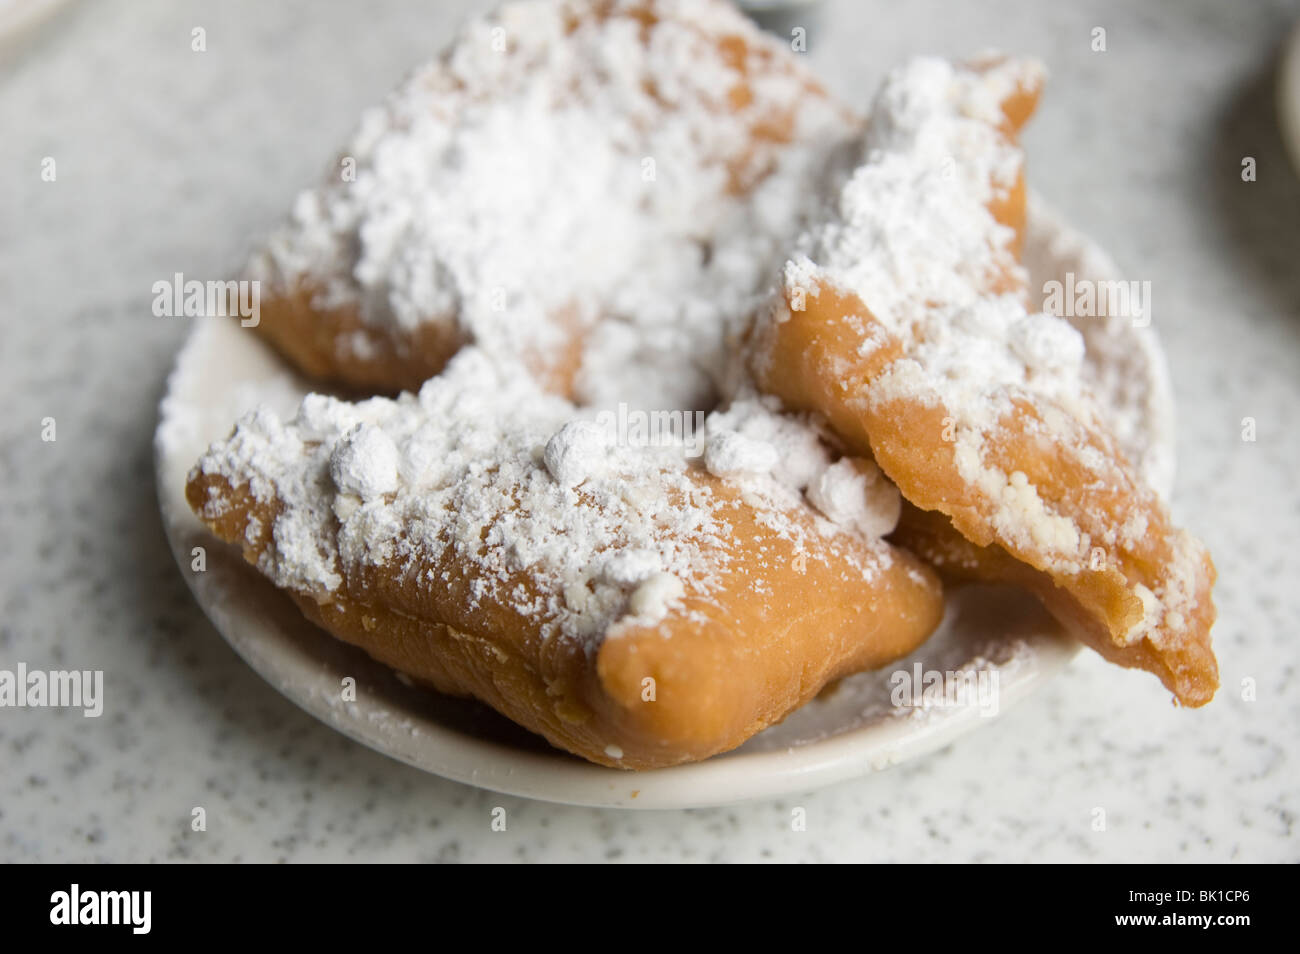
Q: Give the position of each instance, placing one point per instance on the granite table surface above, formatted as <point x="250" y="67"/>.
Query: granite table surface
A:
<point x="171" y="160"/>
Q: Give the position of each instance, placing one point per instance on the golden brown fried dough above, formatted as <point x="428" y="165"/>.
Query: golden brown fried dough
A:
<point x="635" y="163"/>
<point x="634" y="610"/>
<point x="909" y="334"/>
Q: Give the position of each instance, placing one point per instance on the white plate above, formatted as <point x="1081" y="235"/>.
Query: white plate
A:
<point x="224" y="370"/>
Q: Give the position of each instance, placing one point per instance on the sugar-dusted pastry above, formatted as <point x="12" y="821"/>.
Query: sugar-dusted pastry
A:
<point x="627" y="603"/>
<point x="595" y="187"/>
<point x="902" y="319"/>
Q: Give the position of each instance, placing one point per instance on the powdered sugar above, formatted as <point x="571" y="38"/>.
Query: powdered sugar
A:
<point x="576" y="452"/>
<point x="671" y="152"/>
<point x="853" y="492"/>
<point x="732" y="454"/>
<point x="364" y="462"/>
<point x="626" y="225"/>
<point x="568" y="161"/>
<point x="483" y="474"/>
<point x="913" y="237"/>
<point x="791" y="447"/>
<point x="916" y="239"/>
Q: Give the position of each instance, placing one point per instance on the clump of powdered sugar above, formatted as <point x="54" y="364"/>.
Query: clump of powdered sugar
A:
<point x="753" y="437"/>
<point x="364" y="462"/>
<point x="853" y="492"/>
<point x="566" y="162"/>
<point x="791" y="446"/>
<point x="732" y="454"/>
<point x="576" y="452"/>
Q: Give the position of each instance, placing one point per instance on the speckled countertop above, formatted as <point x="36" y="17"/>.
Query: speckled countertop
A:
<point x="169" y="161"/>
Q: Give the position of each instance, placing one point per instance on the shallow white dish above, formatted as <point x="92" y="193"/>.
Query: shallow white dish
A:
<point x="224" y="370"/>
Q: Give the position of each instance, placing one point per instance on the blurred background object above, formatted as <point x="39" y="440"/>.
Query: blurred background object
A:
<point x="1288" y="96"/>
<point x="782" y="16"/>
<point x="19" y="16"/>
